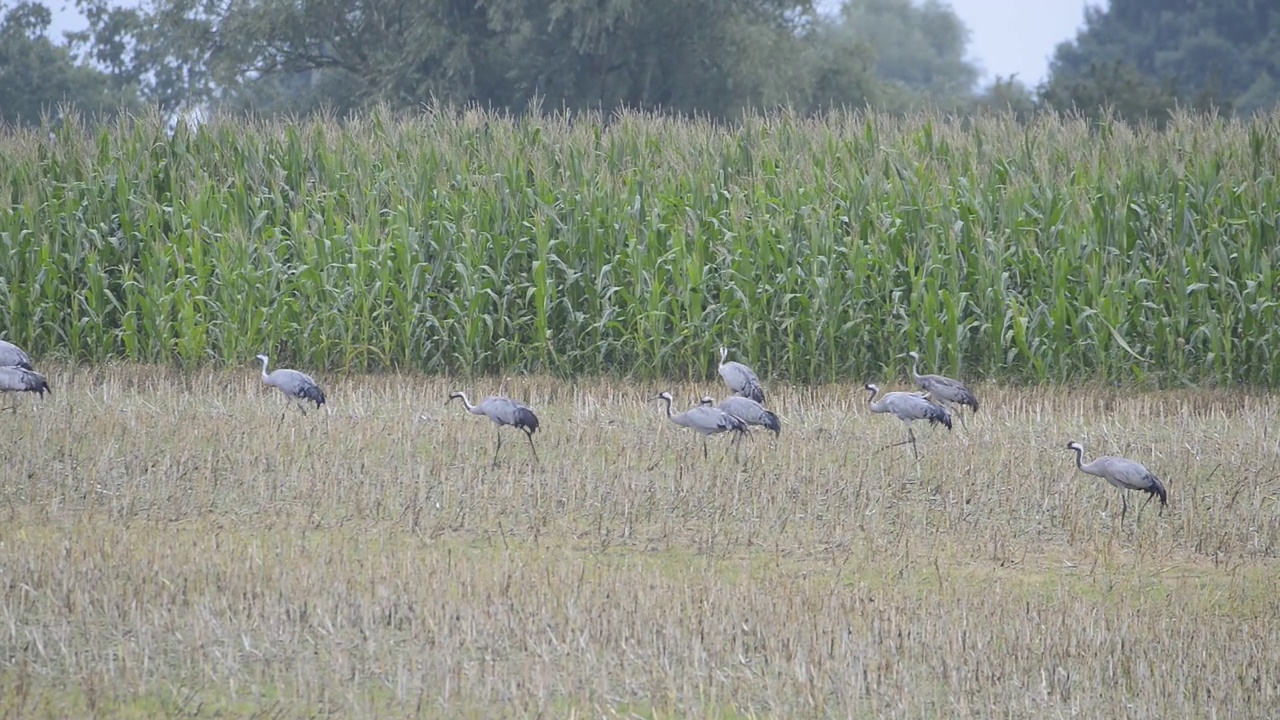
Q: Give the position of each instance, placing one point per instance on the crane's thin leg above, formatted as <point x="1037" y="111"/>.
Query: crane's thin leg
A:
<point x="496" y="450"/>
<point x="705" y="456"/>
<point x="1124" y="507"/>
<point x="529" y="435"/>
<point x="911" y="438"/>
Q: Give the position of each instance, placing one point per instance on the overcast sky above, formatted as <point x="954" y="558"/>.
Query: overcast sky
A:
<point x="1007" y="36"/>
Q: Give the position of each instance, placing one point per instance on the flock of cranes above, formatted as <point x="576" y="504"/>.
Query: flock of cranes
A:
<point x="735" y="414"/>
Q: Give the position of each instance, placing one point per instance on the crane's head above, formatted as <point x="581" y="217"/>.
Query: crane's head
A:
<point x="871" y="388"/>
<point x="262" y="359"/>
<point x="913" y="355"/>
<point x="1073" y="445"/>
<point x="707" y="400"/>
<point x="454" y="396"/>
<point x="724" y="353"/>
<point x="663" y="396"/>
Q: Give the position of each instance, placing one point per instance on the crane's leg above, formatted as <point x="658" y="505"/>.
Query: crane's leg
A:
<point x="705" y="456"/>
<point x="1124" y="507"/>
<point x="498" y="434"/>
<point x="911" y="438"/>
<point x="529" y="435"/>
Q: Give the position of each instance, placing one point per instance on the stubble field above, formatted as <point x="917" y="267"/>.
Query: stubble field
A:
<point x="172" y="547"/>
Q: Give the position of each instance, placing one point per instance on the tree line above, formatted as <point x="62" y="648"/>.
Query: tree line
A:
<point x="1135" y="58"/>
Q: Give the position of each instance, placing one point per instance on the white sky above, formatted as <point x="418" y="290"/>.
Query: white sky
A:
<point x="1006" y="36"/>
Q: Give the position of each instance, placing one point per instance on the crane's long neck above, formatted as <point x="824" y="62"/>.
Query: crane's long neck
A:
<point x="264" y="367"/>
<point x="1079" y="458"/>
<point x="667" y="400"/>
<point x="915" y="368"/>
<point x="466" y="403"/>
<point x="871" y="397"/>
<point x="724" y="353"/>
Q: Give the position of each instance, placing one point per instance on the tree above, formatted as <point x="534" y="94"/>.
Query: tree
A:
<point x="917" y="50"/>
<point x="1191" y="52"/>
<point x="709" y="56"/>
<point x="37" y="75"/>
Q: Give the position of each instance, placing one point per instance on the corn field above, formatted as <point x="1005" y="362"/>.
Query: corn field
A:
<point x="817" y="248"/>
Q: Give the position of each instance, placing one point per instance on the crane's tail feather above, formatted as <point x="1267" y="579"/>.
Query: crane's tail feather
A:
<point x="754" y="392"/>
<point x="526" y="420"/>
<point x="938" y="414"/>
<point x="314" y="394"/>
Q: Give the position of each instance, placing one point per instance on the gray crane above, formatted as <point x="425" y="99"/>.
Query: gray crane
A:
<point x="942" y="388"/>
<point x="748" y="411"/>
<point x="705" y="420"/>
<point x="502" y="411"/>
<point x="1123" y="473"/>
<point x="20" y="379"/>
<point x="298" y="387"/>
<point x="908" y="407"/>
<point x="12" y="356"/>
<point x="740" y="378"/>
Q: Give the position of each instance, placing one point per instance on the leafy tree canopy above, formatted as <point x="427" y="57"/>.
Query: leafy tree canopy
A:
<point x="1142" y="57"/>
<point x="36" y="75"/>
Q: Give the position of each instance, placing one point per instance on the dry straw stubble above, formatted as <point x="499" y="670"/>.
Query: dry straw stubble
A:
<point x="168" y="550"/>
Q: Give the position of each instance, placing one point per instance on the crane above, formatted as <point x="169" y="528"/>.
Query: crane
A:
<point x="12" y="356"/>
<point x="1123" y="473"/>
<point x="20" y="379"/>
<point x="704" y="419"/>
<point x="740" y="378"/>
<point x="748" y="411"/>
<point x="502" y="411"/>
<point x="943" y="388"/>
<point x="298" y="387"/>
<point x="907" y="407"/>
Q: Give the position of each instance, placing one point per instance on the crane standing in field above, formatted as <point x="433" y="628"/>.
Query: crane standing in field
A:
<point x="12" y="356"/>
<point x="748" y="411"/>
<point x="942" y="388"/>
<point x="19" y="379"/>
<point x="1123" y="473"/>
<point x="740" y="378"/>
<point x="907" y="407"/>
<point x="298" y="387"/>
<point x="17" y="373"/>
<point x="502" y="411"/>
<point x="704" y="419"/>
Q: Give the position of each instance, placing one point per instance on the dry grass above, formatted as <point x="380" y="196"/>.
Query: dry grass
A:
<point x="166" y="550"/>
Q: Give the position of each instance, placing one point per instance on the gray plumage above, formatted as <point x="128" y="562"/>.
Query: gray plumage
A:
<point x="749" y="411"/>
<point x="1122" y="473"/>
<point x="942" y="388"/>
<point x="12" y="356"/>
<point x="502" y="411"/>
<point x="908" y="407"/>
<point x="299" y="387"/>
<point x="740" y="378"/>
<point x="704" y="419"/>
<point x="20" y="379"/>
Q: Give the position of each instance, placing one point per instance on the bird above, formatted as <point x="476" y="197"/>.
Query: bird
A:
<point x="502" y="410"/>
<point x="704" y="419"/>
<point x="20" y="379"/>
<point x="1123" y="473"/>
<point x="748" y="411"/>
<point x="741" y="379"/>
<point x="12" y="356"/>
<point x="942" y="388"/>
<point x="908" y="407"/>
<point x="298" y="387"/>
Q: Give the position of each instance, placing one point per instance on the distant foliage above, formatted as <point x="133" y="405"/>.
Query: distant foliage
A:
<point x="817" y="248"/>
<point x="1143" y="57"/>
<point x="37" y="75"/>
